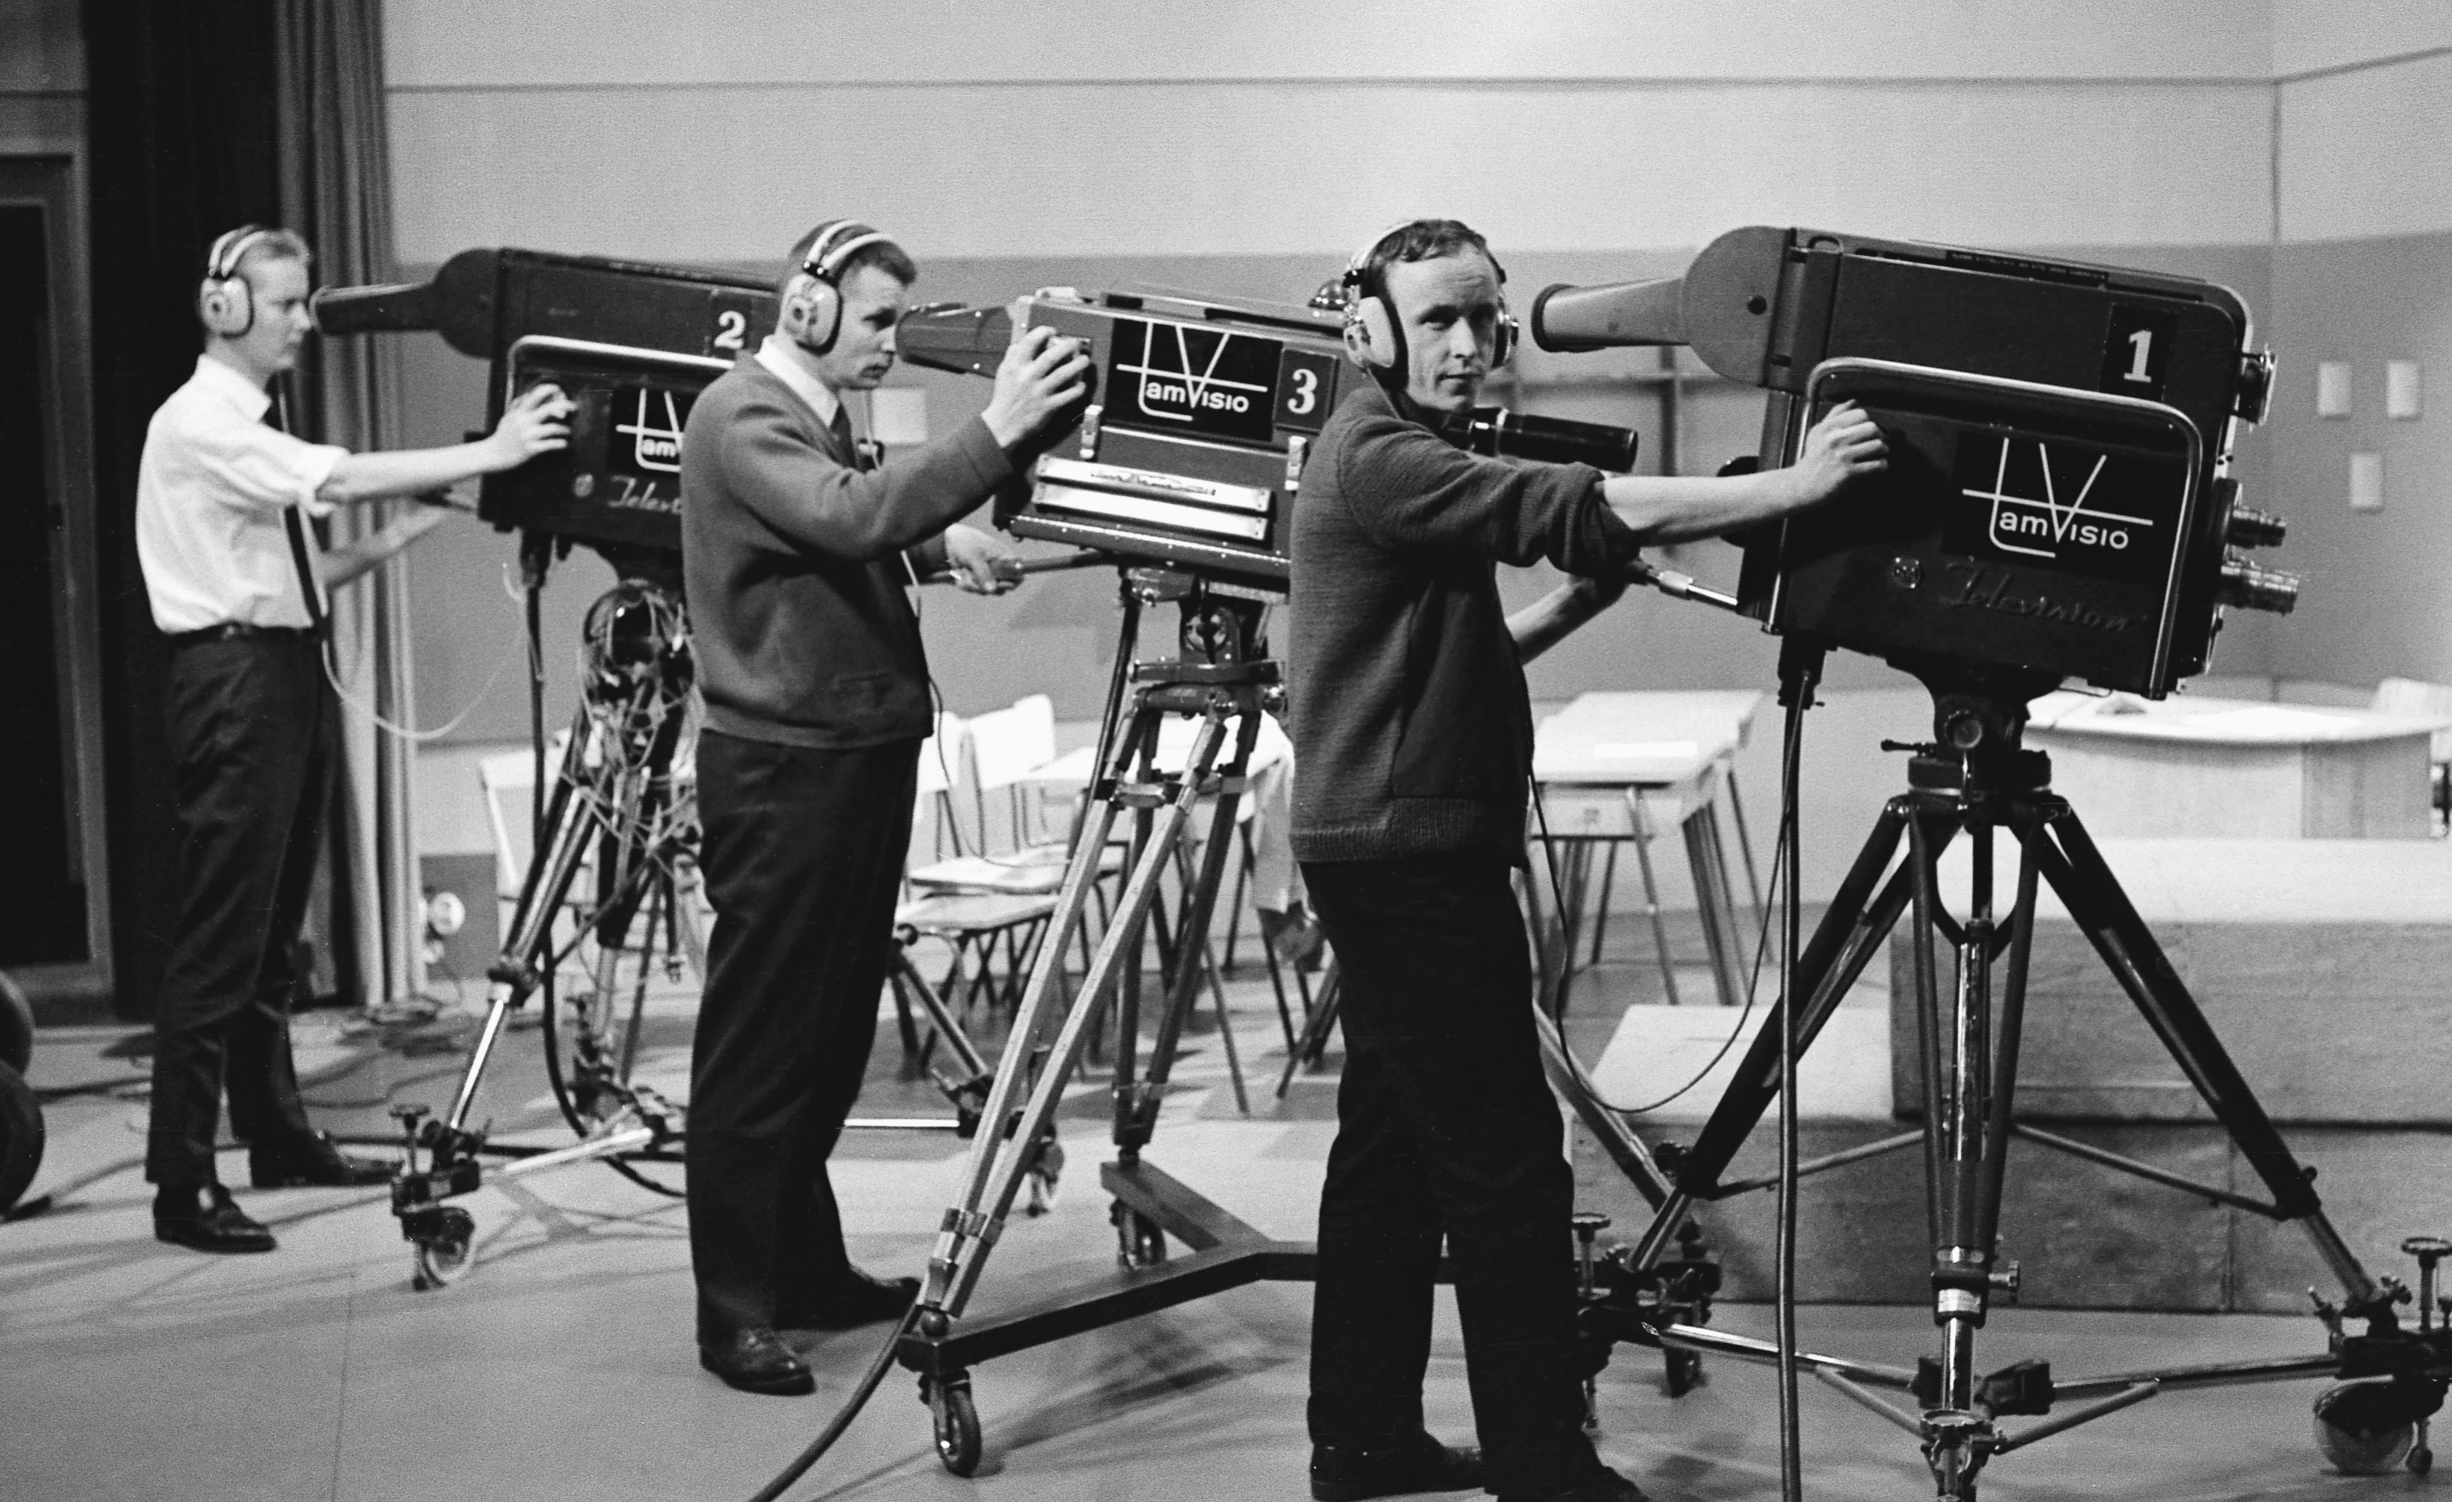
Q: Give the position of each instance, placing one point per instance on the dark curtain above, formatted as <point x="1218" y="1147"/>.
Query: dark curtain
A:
<point x="184" y="144"/>
<point x="336" y="190"/>
<point x="208" y="114"/>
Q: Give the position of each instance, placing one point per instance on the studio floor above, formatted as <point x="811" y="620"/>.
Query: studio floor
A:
<point x="560" y="1365"/>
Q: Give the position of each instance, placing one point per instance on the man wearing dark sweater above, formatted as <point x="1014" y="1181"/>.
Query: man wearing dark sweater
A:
<point x="796" y="553"/>
<point x="1413" y="731"/>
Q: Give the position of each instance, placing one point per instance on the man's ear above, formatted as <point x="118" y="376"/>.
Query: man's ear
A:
<point x="1357" y="344"/>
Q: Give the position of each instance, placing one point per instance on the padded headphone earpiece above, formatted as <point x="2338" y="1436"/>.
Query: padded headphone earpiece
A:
<point x="1372" y="335"/>
<point x="838" y="240"/>
<point x="225" y="302"/>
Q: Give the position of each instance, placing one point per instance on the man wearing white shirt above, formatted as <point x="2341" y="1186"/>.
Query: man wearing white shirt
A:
<point x="236" y="584"/>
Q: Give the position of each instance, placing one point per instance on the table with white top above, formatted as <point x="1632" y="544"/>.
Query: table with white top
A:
<point x="2236" y="768"/>
<point x="1623" y="768"/>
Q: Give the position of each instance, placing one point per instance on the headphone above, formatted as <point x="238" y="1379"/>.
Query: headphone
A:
<point x="837" y="241"/>
<point x="225" y="301"/>
<point x="1372" y="334"/>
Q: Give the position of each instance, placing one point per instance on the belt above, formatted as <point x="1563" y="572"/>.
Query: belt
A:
<point x="239" y="631"/>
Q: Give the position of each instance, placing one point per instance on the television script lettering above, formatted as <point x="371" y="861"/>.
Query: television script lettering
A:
<point x="642" y="494"/>
<point x="1969" y="588"/>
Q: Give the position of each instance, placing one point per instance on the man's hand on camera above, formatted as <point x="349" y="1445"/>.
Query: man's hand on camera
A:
<point x="983" y="563"/>
<point x="1593" y="596"/>
<point x="536" y="422"/>
<point x="1042" y="374"/>
<point x="1843" y="445"/>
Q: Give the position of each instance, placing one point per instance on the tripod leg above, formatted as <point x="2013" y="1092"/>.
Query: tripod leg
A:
<point x="1847" y="938"/>
<point x="2012" y="1027"/>
<point x="516" y="972"/>
<point x="1961" y="1264"/>
<point x="985" y="1216"/>
<point x="2077" y="871"/>
<point x="1133" y="1128"/>
<point x="965" y="1223"/>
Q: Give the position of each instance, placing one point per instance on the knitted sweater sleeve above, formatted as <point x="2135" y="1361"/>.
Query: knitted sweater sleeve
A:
<point x="1410" y="491"/>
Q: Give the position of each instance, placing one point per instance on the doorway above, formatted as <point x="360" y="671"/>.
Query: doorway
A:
<point x="53" y="898"/>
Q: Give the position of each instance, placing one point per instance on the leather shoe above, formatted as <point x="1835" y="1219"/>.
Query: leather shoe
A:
<point x="1604" y="1485"/>
<point x="757" y="1360"/>
<point x="1418" y="1463"/>
<point x="313" y="1162"/>
<point x="204" y="1216"/>
<point x="857" y="1300"/>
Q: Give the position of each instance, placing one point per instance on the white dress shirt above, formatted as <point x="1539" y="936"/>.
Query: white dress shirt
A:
<point x="211" y="492"/>
<point x="775" y="355"/>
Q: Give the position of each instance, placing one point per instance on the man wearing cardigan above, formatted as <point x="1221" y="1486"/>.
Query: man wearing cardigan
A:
<point x="796" y="555"/>
<point x="1413" y="730"/>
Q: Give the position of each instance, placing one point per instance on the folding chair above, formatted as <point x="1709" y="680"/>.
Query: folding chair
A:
<point x="979" y="905"/>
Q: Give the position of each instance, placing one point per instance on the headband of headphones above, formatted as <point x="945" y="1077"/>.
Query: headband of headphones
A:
<point x="838" y="240"/>
<point x="221" y="262"/>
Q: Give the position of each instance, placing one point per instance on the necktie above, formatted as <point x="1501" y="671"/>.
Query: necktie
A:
<point x="840" y="426"/>
<point x="310" y="589"/>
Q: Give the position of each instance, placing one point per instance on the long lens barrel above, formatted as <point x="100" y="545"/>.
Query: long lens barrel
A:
<point x="374" y="310"/>
<point x="1502" y="434"/>
<point x="1610" y="315"/>
<point x="949" y="336"/>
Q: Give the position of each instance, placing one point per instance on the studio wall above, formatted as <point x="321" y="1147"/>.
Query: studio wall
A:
<point x="1239" y="149"/>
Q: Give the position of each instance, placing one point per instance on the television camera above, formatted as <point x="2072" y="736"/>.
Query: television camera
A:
<point x="1191" y="449"/>
<point x="631" y="344"/>
<point x="609" y="899"/>
<point x="2059" y="502"/>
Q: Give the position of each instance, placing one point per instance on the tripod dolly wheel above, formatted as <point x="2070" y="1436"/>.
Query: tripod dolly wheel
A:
<point x="955" y="1420"/>
<point x="442" y="1254"/>
<point x="1138" y="1241"/>
<point x="2421" y="1460"/>
<point x="2365" y="1429"/>
<point x="1681" y="1372"/>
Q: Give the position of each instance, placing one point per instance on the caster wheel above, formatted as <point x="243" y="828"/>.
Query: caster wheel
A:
<point x="21" y="1136"/>
<point x="1681" y="1372"/>
<point x="1138" y="1241"/>
<point x="2364" y="1428"/>
<point x="2421" y="1460"/>
<point x="16" y="1025"/>
<point x="441" y="1258"/>
<point x="956" y="1422"/>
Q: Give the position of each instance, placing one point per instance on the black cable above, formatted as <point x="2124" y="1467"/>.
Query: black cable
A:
<point x="536" y="704"/>
<point x="878" y="1365"/>
<point x="1753" y="983"/>
<point x="1800" y="673"/>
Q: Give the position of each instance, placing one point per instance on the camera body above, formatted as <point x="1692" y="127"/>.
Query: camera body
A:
<point x="1190" y="449"/>
<point x="2058" y="502"/>
<point x="631" y="344"/>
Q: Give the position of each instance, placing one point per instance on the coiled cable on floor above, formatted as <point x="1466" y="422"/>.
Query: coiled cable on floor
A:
<point x="816" y="1449"/>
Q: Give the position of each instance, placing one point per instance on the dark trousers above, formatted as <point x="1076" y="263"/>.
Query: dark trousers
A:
<point x="1445" y="1127"/>
<point x="802" y="852"/>
<point x="250" y="734"/>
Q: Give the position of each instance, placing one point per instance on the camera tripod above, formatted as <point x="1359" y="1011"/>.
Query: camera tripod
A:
<point x="1225" y="679"/>
<point x="623" y="799"/>
<point x="1979" y="781"/>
